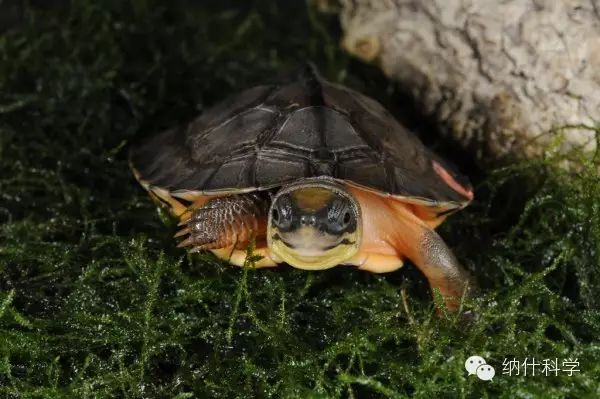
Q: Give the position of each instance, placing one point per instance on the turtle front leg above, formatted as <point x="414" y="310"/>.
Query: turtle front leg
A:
<point x="437" y="262"/>
<point x="392" y="232"/>
<point x="431" y="256"/>
<point x="226" y="226"/>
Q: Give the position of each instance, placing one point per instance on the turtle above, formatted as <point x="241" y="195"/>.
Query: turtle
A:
<point x="313" y="174"/>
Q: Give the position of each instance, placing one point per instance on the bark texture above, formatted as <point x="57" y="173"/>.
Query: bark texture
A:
<point x="503" y="77"/>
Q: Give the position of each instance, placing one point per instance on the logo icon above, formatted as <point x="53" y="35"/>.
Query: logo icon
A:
<point x="478" y="366"/>
<point x="486" y="372"/>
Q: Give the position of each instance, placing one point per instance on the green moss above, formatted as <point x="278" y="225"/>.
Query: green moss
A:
<point x="96" y="301"/>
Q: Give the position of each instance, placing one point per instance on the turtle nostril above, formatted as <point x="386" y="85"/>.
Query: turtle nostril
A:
<point x="307" y="220"/>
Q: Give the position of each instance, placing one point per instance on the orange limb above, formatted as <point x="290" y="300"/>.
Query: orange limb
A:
<point x="237" y="257"/>
<point x="390" y="228"/>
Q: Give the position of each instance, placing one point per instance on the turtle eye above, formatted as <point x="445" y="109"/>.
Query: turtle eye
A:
<point x="347" y="218"/>
<point x="281" y="214"/>
<point x="335" y="211"/>
<point x="339" y="216"/>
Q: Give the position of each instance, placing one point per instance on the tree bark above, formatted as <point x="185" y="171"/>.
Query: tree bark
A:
<point x="506" y="78"/>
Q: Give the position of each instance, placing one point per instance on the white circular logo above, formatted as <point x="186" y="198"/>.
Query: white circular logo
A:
<point x="485" y="372"/>
<point x="472" y="363"/>
<point x="478" y="366"/>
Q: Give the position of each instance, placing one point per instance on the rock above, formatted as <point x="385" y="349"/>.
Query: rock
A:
<point x="505" y="78"/>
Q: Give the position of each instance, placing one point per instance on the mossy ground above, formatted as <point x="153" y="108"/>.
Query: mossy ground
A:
<point x="96" y="301"/>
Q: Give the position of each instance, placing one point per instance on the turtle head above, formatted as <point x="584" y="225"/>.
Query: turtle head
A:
<point x="314" y="224"/>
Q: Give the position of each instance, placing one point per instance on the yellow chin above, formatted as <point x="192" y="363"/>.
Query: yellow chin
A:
<point x="314" y="259"/>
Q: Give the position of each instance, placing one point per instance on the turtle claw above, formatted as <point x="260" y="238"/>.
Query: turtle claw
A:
<point x="186" y="243"/>
<point x="182" y="232"/>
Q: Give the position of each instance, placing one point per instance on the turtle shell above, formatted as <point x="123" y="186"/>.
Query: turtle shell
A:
<point x="271" y="135"/>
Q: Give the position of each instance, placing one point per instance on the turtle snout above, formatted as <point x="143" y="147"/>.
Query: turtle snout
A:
<point x="308" y="220"/>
